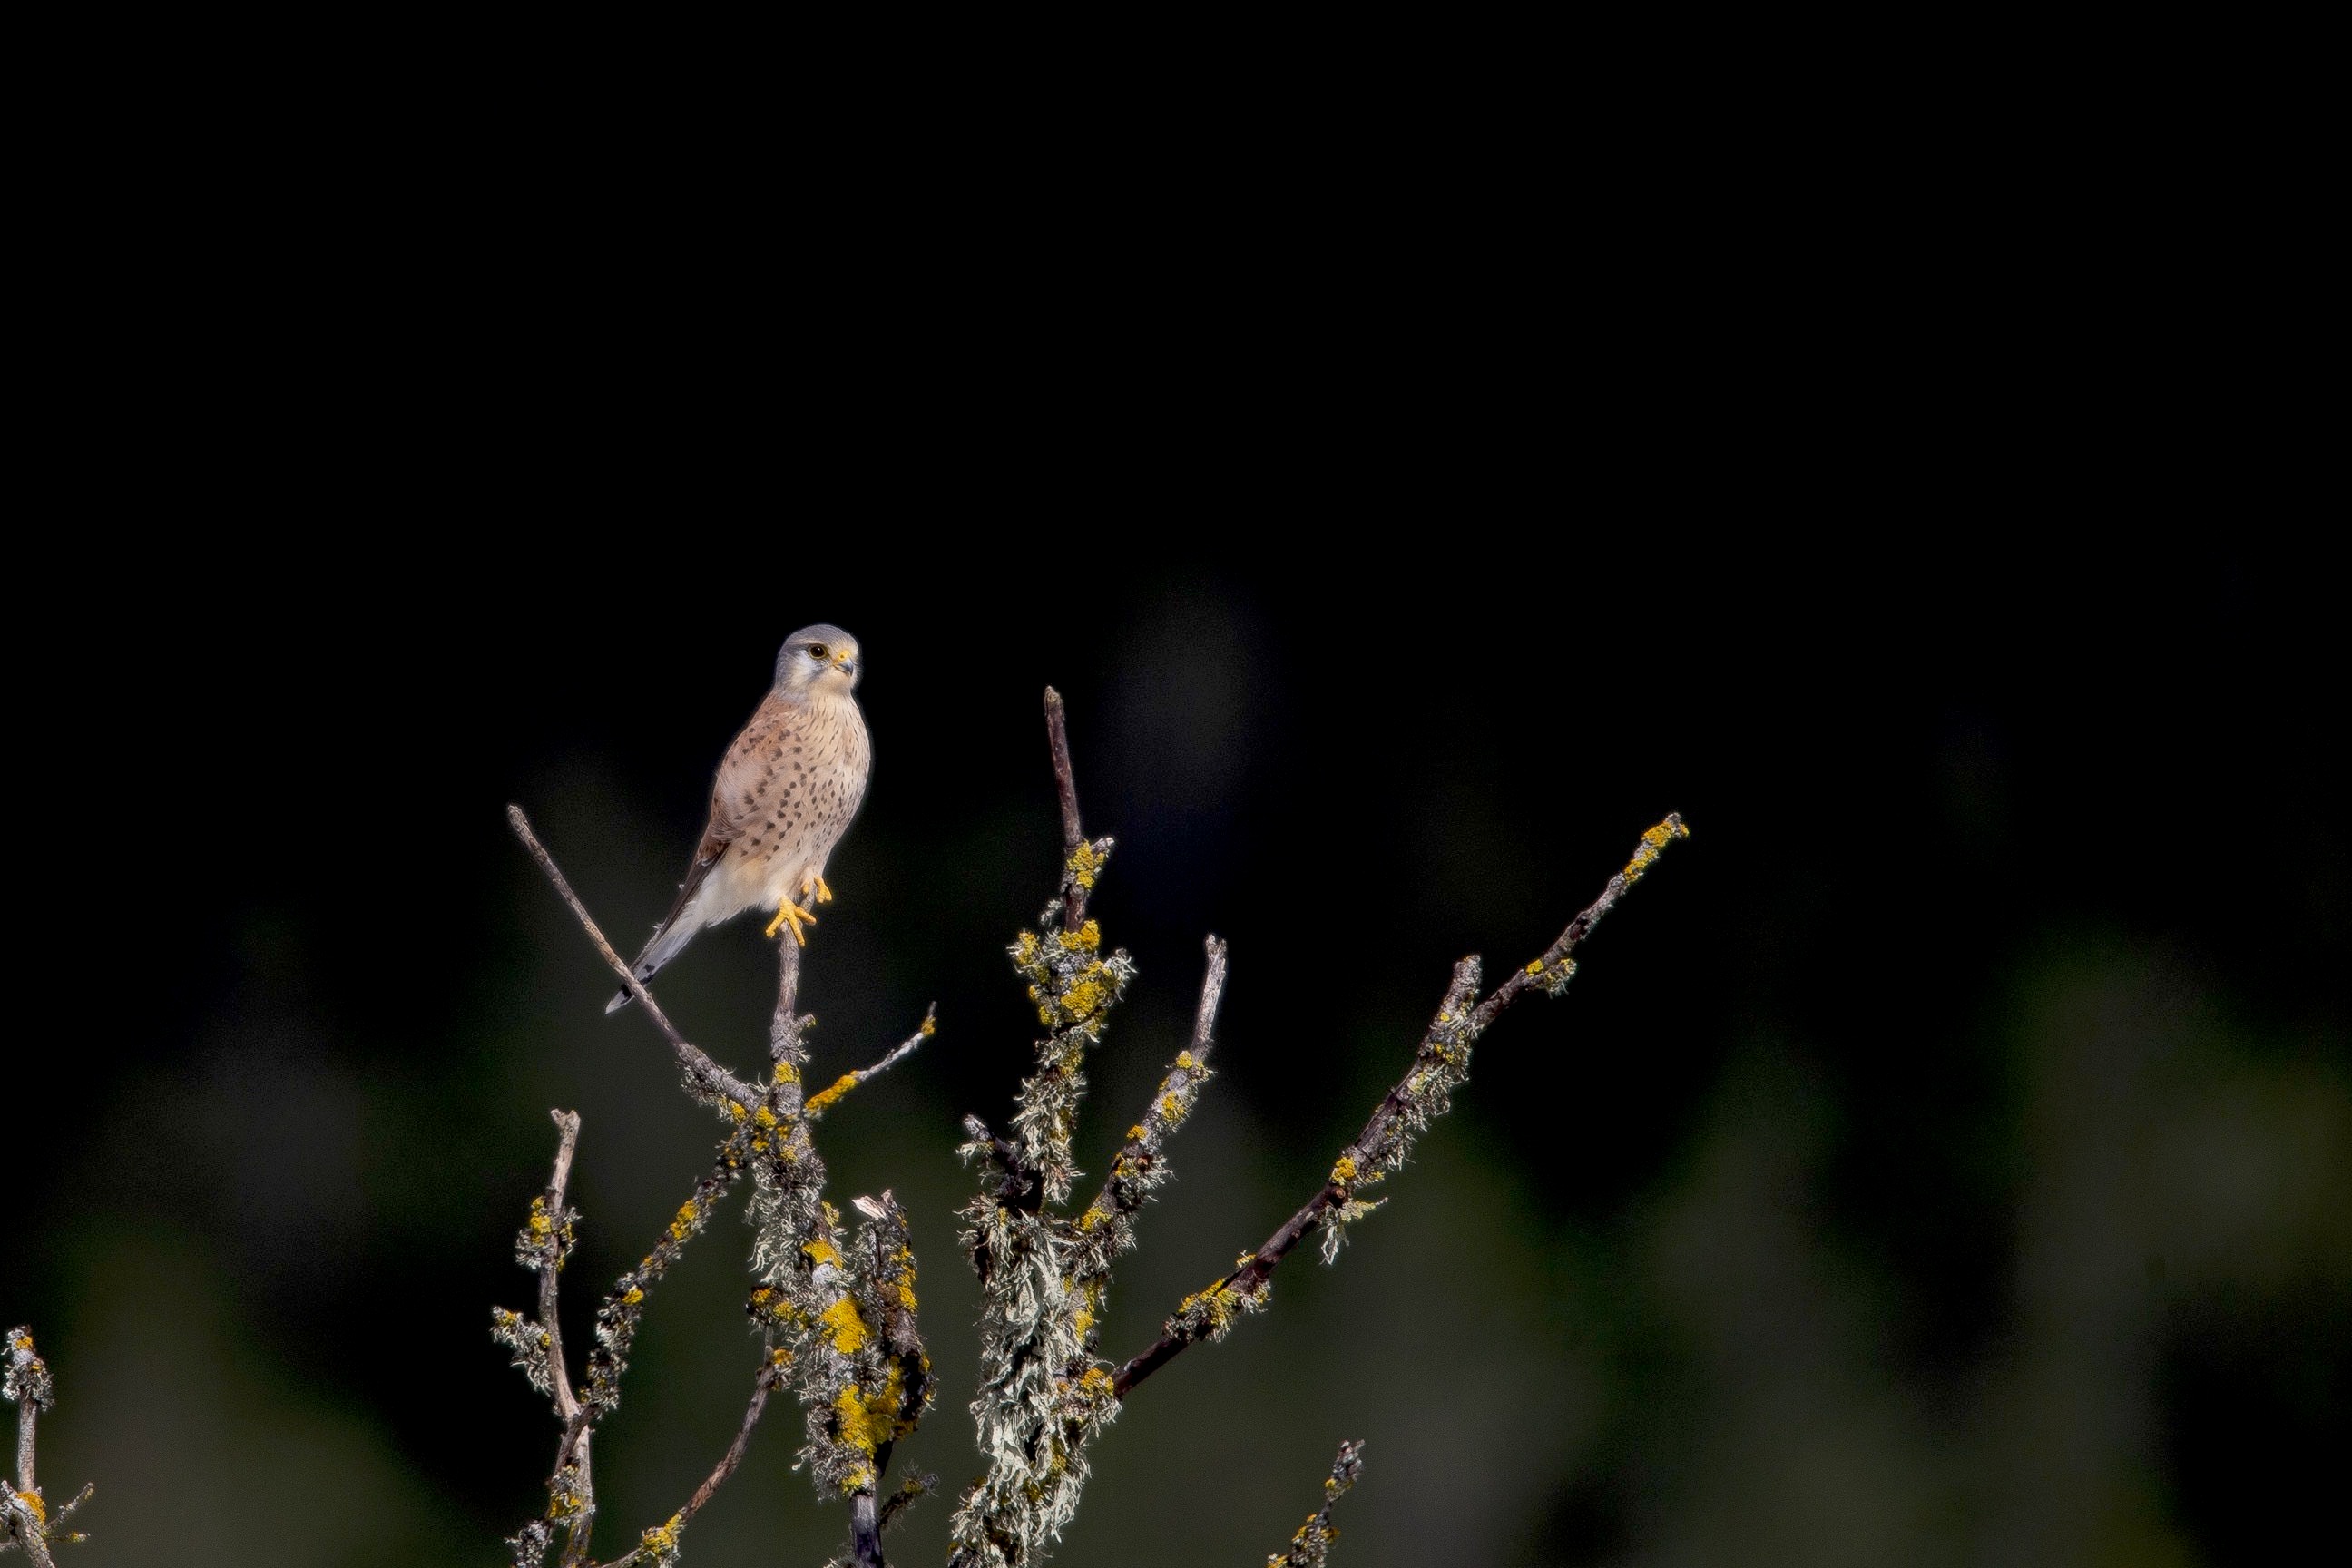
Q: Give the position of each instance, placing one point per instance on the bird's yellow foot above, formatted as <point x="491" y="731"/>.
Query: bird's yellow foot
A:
<point x="824" y="893"/>
<point x="789" y="914"/>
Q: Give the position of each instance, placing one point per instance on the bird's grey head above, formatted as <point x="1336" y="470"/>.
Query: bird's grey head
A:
<point x="819" y="658"/>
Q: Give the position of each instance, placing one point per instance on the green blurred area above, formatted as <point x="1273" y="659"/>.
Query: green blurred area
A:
<point x="1946" y="1156"/>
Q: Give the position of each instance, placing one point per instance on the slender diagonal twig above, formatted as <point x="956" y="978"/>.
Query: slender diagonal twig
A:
<point x="664" y="1537"/>
<point x="1440" y="1062"/>
<point x="700" y="1068"/>
<point x="1121" y="1193"/>
<point x="822" y="1101"/>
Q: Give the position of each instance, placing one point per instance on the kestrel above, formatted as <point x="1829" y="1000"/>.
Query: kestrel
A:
<point x="785" y="792"/>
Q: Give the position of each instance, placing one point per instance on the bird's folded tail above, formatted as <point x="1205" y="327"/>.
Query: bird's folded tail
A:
<point x="665" y="946"/>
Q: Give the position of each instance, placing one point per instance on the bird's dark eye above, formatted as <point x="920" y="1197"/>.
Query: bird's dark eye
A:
<point x="816" y="650"/>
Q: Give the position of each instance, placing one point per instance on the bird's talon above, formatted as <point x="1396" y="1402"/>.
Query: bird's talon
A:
<point x="789" y="914"/>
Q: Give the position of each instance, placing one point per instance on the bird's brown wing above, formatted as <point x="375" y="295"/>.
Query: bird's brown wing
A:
<point x="745" y="775"/>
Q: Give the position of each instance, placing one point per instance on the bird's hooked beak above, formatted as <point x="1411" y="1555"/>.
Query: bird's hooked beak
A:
<point x="845" y="663"/>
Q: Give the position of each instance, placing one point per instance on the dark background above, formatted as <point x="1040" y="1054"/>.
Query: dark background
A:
<point x="1945" y="1157"/>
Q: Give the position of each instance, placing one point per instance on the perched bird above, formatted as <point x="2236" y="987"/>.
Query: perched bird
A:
<point x="785" y="792"/>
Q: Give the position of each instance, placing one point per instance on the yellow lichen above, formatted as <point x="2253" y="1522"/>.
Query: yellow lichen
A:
<point x="787" y="1073"/>
<point x="1213" y="1307"/>
<point x="822" y="1251"/>
<point x="1135" y="1133"/>
<point x="632" y="1296"/>
<point x="1095" y="1214"/>
<point x="1652" y="841"/>
<point x="870" y="1421"/>
<point x="1344" y="1171"/>
<point x="1084" y="864"/>
<point x="33" y="1505"/>
<point x="929" y="1027"/>
<point x="824" y="1096"/>
<point x="683" y="1225"/>
<point x="1537" y="967"/>
<point x="849" y="1331"/>
<point x="1084" y="997"/>
<point x="662" y="1538"/>
<point x="1184" y="1060"/>
<point x="1171" y="1109"/>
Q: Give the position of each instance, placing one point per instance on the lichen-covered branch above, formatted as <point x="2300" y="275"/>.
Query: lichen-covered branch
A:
<point x="1311" y="1546"/>
<point x="24" y="1518"/>
<point x="843" y="1321"/>
<point x="1044" y="1277"/>
<point x="816" y="1310"/>
<point x="544" y="1242"/>
<point x="1440" y="1065"/>
<point x="1106" y="1228"/>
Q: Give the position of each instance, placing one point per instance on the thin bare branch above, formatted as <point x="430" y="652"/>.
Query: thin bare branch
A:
<point x="700" y="1070"/>
<point x="1075" y="887"/>
<point x="1440" y="1064"/>
<point x="785" y="1028"/>
<point x="822" y="1101"/>
<point x="664" y="1537"/>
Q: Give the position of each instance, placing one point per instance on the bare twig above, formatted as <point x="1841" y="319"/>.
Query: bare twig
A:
<point x="1077" y="877"/>
<point x="1311" y="1546"/>
<point x="821" y="1101"/>
<point x="701" y="1072"/>
<point x="1440" y="1065"/>
<point x="786" y="1026"/>
<point x="663" y="1538"/>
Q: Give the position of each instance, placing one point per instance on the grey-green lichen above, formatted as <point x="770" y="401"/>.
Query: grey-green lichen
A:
<point x="1041" y="1397"/>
